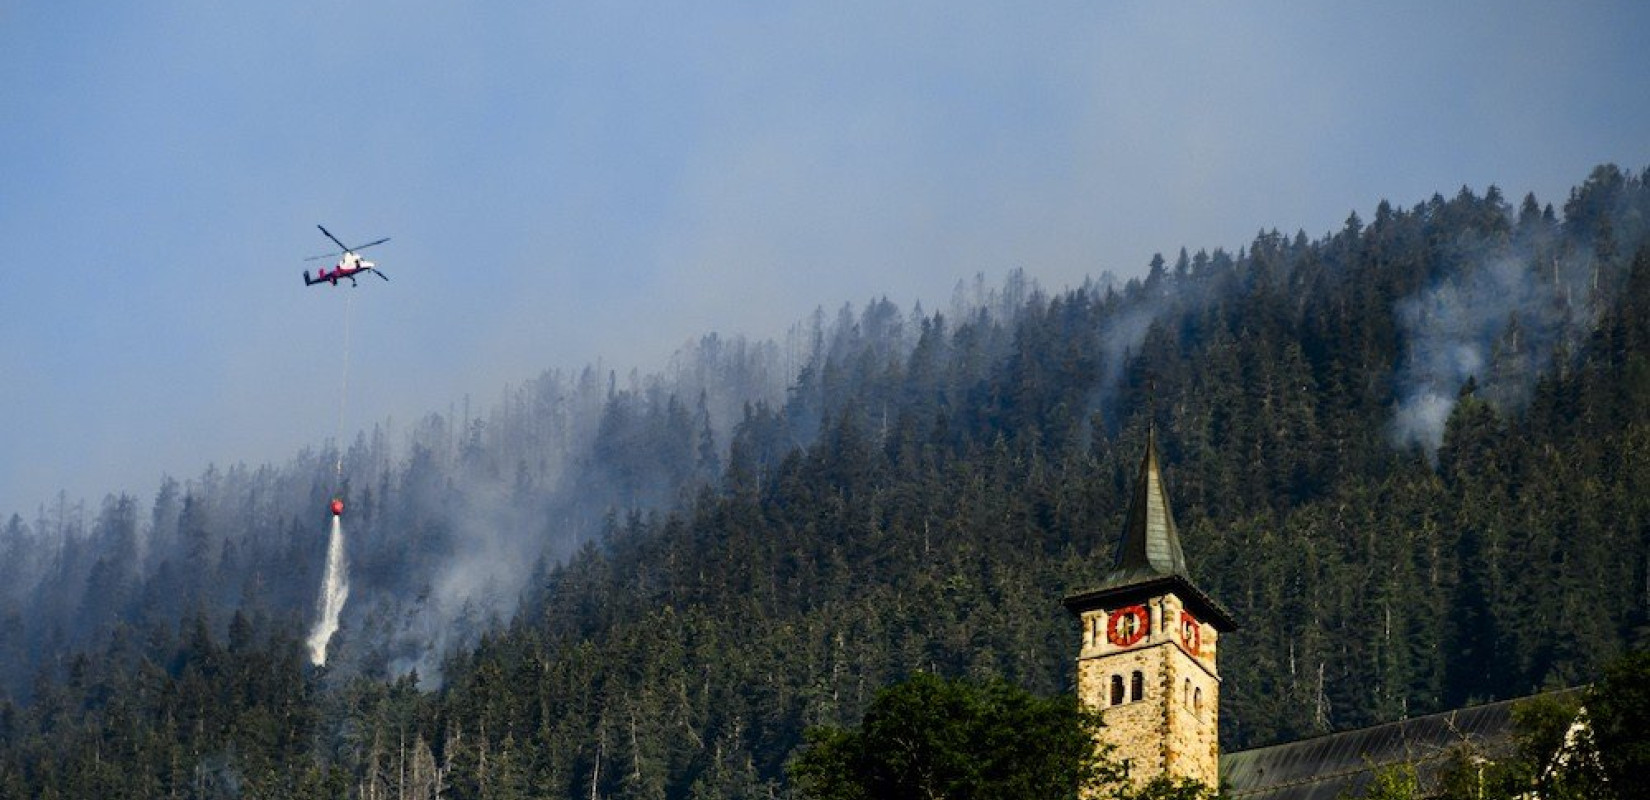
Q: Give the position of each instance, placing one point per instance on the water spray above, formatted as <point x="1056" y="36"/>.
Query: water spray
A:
<point x="334" y="591"/>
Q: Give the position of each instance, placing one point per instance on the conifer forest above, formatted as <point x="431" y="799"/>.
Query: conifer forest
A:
<point x="1411" y="456"/>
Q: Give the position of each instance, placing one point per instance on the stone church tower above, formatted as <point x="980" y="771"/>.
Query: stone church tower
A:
<point x="1149" y="639"/>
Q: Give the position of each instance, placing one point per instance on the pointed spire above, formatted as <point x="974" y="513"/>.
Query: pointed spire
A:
<point x="1149" y="559"/>
<point x="1150" y="546"/>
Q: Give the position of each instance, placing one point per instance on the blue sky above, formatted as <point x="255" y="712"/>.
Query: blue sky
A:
<point x="571" y="182"/>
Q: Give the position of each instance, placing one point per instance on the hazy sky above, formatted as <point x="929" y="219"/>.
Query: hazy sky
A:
<point x="567" y="182"/>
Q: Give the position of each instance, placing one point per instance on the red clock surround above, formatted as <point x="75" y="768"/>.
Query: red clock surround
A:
<point x="1191" y="633"/>
<point x="1127" y="625"/>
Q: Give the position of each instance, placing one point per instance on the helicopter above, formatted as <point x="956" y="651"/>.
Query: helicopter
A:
<point x="349" y="266"/>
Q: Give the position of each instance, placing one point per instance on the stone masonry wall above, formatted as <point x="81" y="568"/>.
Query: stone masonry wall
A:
<point x="1172" y="726"/>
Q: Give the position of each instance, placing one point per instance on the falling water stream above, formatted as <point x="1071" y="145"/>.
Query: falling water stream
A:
<point x="334" y="591"/>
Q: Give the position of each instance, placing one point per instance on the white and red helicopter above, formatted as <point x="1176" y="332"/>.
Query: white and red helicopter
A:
<point x="349" y="266"/>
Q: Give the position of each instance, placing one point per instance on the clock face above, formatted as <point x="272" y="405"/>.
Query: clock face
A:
<point x="1191" y="633"/>
<point x="1127" y="625"/>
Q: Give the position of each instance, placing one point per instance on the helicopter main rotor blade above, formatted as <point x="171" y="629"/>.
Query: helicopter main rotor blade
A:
<point x="351" y="250"/>
<point x="333" y="238"/>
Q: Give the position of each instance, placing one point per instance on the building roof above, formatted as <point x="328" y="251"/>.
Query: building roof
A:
<point x="1150" y="547"/>
<point x="1149" y="556"/>
<point x="1344" y="764"/>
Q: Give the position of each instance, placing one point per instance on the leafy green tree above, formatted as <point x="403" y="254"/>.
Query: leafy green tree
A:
<point x="1618" y="711"/>
<point x="928" y="737"/>
<point x="1396" y="782"/>
<point x="1163" y="787"/>
<point x="1555" y="756"/>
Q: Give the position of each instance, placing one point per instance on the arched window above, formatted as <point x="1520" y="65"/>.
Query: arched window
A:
<point x="1116" y="689"/>
<point x="1137" y="686"/>
<point x="1186" y="693"/>
<point x="1197" y="701"/>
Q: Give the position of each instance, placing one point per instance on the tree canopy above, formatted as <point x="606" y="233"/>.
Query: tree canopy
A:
<point x="929" y="737"/>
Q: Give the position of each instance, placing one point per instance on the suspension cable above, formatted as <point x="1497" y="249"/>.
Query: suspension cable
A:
<point x="343" y="397"/>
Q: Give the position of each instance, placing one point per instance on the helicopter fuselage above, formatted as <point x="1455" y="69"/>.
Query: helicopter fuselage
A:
<point x="348" y="267"/>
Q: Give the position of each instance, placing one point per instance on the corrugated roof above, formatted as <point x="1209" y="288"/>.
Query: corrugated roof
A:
<point x="1344" y="764"/>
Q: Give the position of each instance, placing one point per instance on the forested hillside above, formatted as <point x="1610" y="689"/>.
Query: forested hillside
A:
<point x="1412" y="457"/>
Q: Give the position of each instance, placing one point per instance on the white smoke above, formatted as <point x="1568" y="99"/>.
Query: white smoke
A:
<point x="477" y="585"/>
<point x="1121" y="339"/>
<point x="334" y="591"/>
<point x="1421" y="418"/>
<point x="1498" y="323"/>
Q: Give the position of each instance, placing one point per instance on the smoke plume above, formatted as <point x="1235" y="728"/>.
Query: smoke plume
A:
<point x="1499" y="323"/>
